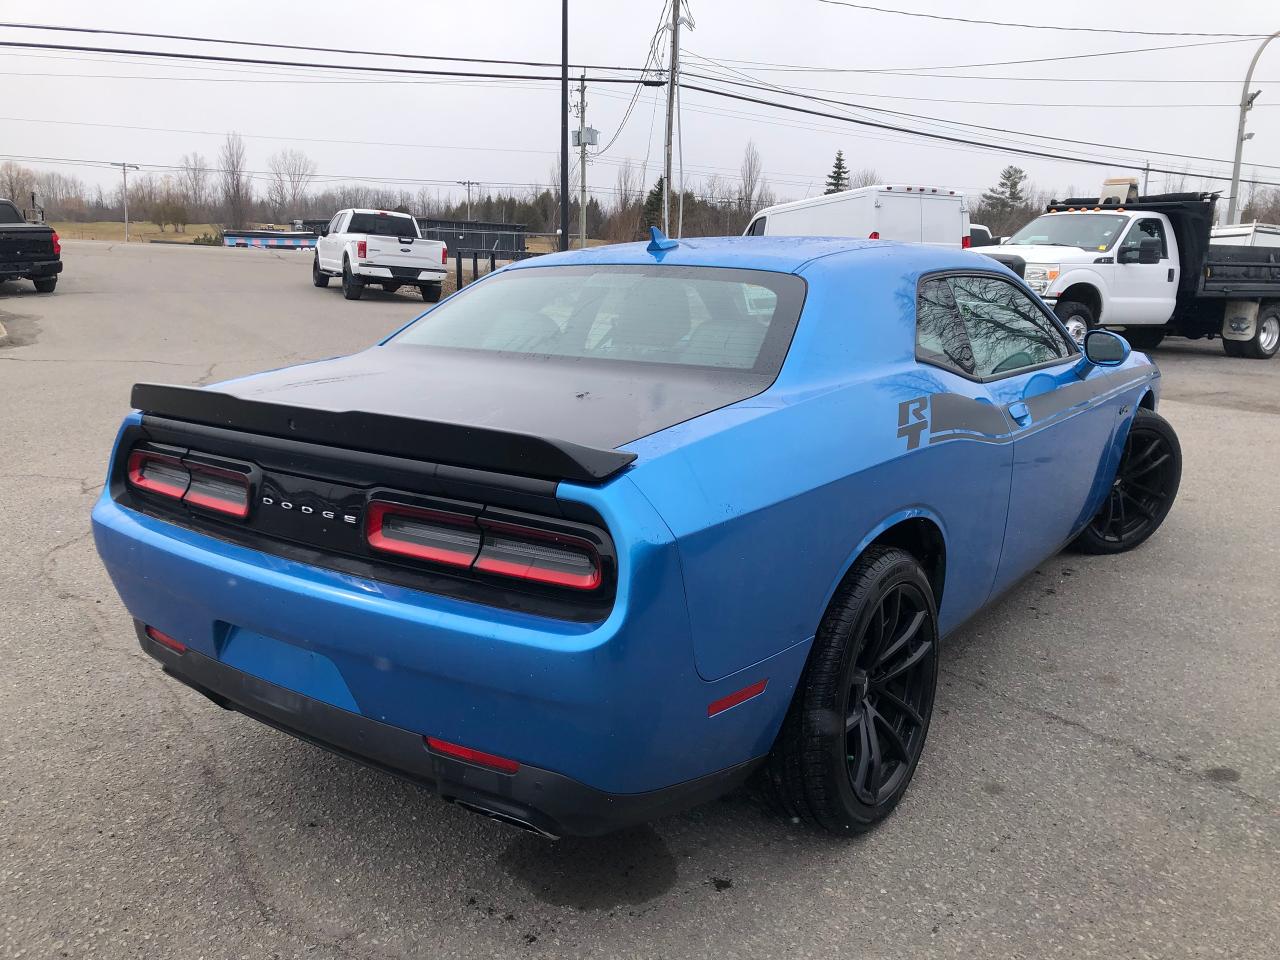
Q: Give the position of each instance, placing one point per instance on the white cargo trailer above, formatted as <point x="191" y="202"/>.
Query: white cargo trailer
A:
<point x="934" y="215"/>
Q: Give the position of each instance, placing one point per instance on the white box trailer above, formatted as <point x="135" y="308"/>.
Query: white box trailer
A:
<point x="1245" y="235"/>
<point x="934" y="215"/>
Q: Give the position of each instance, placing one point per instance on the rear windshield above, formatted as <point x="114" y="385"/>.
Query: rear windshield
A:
<point x="383" y="224"/>
<point x="9" y="213"/>
<point x="691" y="316"/>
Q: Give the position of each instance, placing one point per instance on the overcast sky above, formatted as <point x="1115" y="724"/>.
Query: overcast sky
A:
<point x="509" y="132"/>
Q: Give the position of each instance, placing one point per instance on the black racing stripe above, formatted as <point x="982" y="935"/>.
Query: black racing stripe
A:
<point x="954" y="411"/>
<point x="1053" y="402"/>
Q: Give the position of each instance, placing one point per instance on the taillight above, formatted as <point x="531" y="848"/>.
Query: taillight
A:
<point x="444" y="254"/>
<point x="875" y="234"/>
<point x="434" y="535"/>
<point x="966" y="242"/>
<point x="190" y="481"/>
<point x="362" y="249"/>
<point x="158" y="473"/>
<point x="57" y="244"/>
<point x="488" y="546"/>
<point x="543" y="556"/>
<point x="177" y="646"/>
<point x="219" y="490"/>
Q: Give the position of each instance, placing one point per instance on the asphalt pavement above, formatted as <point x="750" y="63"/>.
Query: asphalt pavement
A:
<point x="1102" y="777"/>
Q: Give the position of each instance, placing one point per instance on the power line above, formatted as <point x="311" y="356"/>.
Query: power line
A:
<point x="292" y="46"/>
<point x="1038" y="26"/>
<point x="800" y="68"/>
<point x="216" y="58"/>
<point x="1022" y="151"/>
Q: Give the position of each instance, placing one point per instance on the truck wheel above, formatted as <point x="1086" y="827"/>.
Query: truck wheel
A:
<point x="1265" y="341"/>
<point x="1144" y="338"/>
<point x="859" y="717"/>
<point x="1142" y="494"/>
<point x="431" y="292"/>
<point x="1076" y="317"/>
<point x="352" y="286"/>
<point x="45" y="284"/>
<point x="318" y="277"/>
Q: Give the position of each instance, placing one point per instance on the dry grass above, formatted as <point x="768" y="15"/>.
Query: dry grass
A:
<point x="138" y="232"/>
<point x="550" y="244"/>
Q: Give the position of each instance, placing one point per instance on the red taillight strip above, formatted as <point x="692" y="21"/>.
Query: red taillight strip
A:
<point x="138" y="460"/>
<point x="733" y="699"/>
<point x="232" y="508"/>
<point x="558" y="578"/>
<point x="478" y="757"/>
<point x="177" y="646"/>
<point x="374" y="531"/>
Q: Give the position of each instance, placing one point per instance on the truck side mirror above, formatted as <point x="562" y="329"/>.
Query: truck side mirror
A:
<point x="324" y="231"/>
<point x="1149" y="250"/>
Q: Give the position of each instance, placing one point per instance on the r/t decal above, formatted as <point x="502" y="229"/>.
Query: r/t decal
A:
<point x="913" y="420"/>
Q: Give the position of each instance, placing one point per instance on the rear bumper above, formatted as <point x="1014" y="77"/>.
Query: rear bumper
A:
<point x="29" y="269"/>
<point x="368" y="271"/>
<point x="541" y="800"/>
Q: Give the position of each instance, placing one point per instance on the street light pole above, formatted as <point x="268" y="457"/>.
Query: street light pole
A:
<point x="1246" y="103"/>
<point x="124" y="193"/>
<point x="564" y="125"/>
<point x="673" y="70"/>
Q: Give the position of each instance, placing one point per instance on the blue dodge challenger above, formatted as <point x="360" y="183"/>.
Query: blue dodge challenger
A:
<point x="607" y="532"/>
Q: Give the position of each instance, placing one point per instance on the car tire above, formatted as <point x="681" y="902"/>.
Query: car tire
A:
<point x="318" y="277"/>
<point x="1077" y="317"/>
<point x="1144" y="338"/>
<point x="1143" y="491"/>
<point x="352" y="286"/>
<point x="1265" y="342"/>
<point x="46" y="284"/>
<point x="431" y="292"/>
<point x="859" y="717"/>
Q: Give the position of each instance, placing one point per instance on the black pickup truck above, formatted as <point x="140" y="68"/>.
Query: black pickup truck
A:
<point x="28" y="251"/>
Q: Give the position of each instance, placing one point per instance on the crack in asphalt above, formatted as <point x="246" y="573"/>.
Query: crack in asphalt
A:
<point x="1182" y="770"/>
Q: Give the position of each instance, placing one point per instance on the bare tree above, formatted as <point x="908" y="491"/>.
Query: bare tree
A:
<point x="866" y="177"/>
<point x="193" y="182"/>
<point x="292" y="172"/>
<point x="237" y="192"/>
<point x="16" y="183"/>
<point x="751" y="173"/>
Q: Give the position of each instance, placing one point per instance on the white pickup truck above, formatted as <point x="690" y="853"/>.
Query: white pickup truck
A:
<point x="1146" y="267"/>
<point x="380" y="247"/>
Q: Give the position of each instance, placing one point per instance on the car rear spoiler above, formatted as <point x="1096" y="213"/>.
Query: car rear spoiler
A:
<point x="454" y="443"/>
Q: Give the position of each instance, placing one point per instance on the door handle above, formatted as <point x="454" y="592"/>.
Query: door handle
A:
<point x="1020" y="412"/>
<point x="1171" y="274"/>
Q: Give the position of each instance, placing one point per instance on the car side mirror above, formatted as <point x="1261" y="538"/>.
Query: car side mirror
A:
<point x="1149" y="250"/>
<point x="1102" y="348"/>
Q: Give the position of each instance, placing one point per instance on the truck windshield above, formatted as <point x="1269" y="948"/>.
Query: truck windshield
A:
<point x="383" y="224"/>
<point x="693" y="316"/>
<point x="1089" y="231"/>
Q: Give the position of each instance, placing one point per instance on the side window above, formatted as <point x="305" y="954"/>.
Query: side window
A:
<point x="940" y="336"/>
<point x="757" y="228"/>
<point x="1006" y="331"/>
<point x="1145" y="229"/>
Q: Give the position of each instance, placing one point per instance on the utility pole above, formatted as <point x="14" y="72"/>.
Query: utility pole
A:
<point x="124" y="194"/>
<point x="1246" y="104"/>
<point x="564" y="125"/>
<point x="583" y="137"/>
<point x="673" y="78"/>
<point x="1146" y="175"/>
<point x="468" y="184"/>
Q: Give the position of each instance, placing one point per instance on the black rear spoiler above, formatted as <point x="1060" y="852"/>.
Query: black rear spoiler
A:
<point x="453" y="443"/>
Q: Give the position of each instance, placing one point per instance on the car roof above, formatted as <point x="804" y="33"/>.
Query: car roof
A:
<point x="777" y="254"/>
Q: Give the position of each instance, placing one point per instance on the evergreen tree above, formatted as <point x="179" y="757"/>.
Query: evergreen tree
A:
<point x="838" y="178"/>
<point x="653" y="206"/>
<point x="1006" y="196"/>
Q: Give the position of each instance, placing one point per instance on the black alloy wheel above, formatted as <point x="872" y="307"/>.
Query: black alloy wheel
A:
<point x="1143" y="491"/>
<point x="891" y="695"/>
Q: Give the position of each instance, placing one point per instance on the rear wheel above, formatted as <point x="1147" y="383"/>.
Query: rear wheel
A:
<point x="1264" y="343"/>
<point x="1143" y="491"/>
<point x="431" y="292"/>
<point x="46" y="284"/>
<point x="1077" y="317"/>
<point x="858" y="721"/>
<point x="1144" y="338"/>
<point x="318" y="277"/>
<point x="352" y="286"/>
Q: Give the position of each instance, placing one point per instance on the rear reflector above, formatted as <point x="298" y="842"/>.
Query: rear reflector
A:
<point x="157" y="473"/>
<point x="478" y="757"/>
<point x="542" y="556"/>
<point x="451" y="539"/>
<point x="873" y="235"/>
<point x="177" y="646"/>
<point x="966" y="243"/>
<point x="733" y="699"/>
<point x="223" y="491"/>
